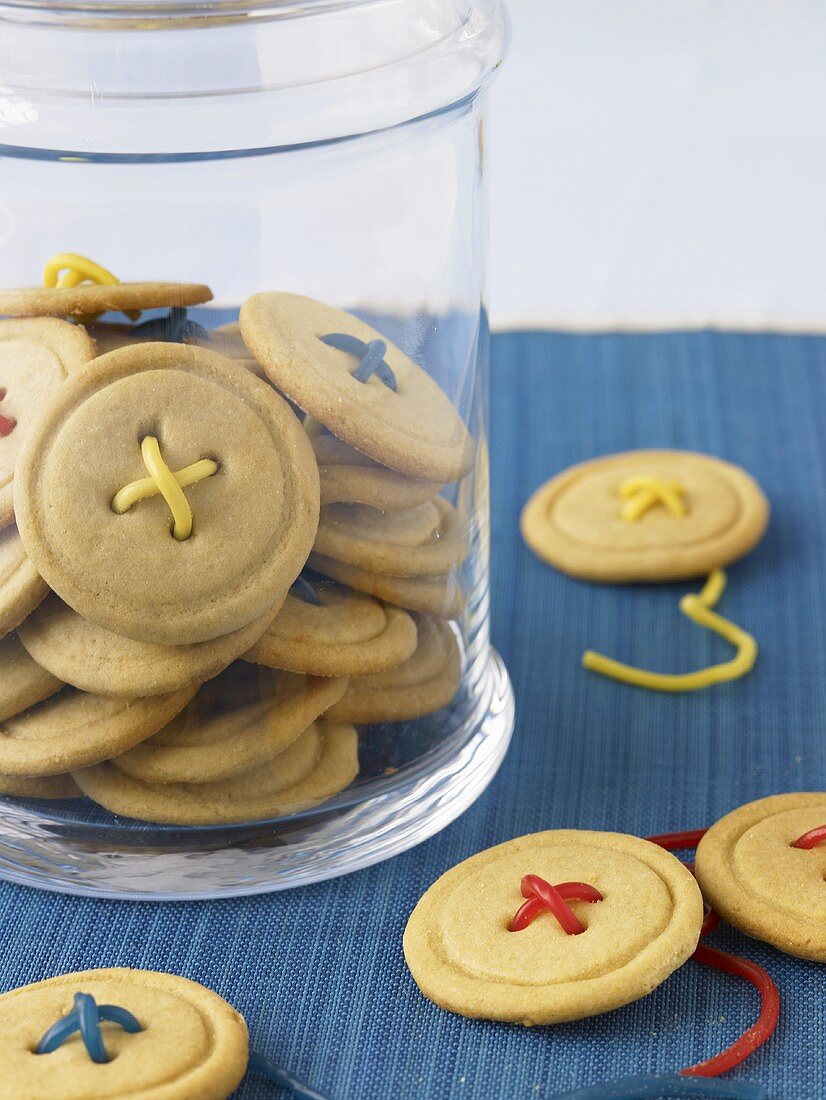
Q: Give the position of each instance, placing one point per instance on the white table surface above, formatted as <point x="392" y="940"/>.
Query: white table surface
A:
<point x="660" y="163"/>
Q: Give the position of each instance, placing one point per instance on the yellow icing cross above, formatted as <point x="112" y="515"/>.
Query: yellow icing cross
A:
<point x="170" y="485"/>
<point x="644" y="491"/>
<point x="70" y="269"/>
<point x="698" y="609"/>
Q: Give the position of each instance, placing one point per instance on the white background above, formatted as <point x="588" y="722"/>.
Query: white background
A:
<point x="660" y="161"/>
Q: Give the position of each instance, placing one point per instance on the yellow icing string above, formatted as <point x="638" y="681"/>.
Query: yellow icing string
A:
<point x="698" y="609"/>
<point x="644" y="491"/>
<point x="169" y="484"/>
<point x="68" y="269"/>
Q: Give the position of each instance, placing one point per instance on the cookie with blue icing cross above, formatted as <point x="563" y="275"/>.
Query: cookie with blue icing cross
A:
<point x="645" y="516"/>
<point x="119" y="1033"/>
<point x="168" y="495"/>
<point x="358" y="384"/>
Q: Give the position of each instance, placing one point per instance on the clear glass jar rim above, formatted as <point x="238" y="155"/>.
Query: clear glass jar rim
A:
<point x="157" y="14"/>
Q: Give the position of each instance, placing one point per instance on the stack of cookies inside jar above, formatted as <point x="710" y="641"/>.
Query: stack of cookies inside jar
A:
<point x="224" y="552"/>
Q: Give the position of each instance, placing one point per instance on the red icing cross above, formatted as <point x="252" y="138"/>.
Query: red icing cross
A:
<point x="542" y="895"/>
<point x="7" y="424"/>
<point x="813" y="837"/>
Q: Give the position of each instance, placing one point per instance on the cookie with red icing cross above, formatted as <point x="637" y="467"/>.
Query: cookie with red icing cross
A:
<point x="645" y="516"/>
<point x="168" y="495"/>
<point x="762" y="867"/>
<point x="120" y="1033"/>
<point x="554" y="926"/>
<point x="357" y="383"/>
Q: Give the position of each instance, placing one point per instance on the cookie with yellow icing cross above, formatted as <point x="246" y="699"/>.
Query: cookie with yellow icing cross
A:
<point x="275" y="788"/>
<point x="75" y="286"/>
<point x="425" y="683"/>
<point x="552" y="927"/>
<point x="326" y="630"/>
<point x="35" y="358"/>
<point x="762" y="867"/>
<point x="645" y="516"/>
<point x="358" y="384"/>
<point x="120" y="1033"/>
<point x="168" y="495"/>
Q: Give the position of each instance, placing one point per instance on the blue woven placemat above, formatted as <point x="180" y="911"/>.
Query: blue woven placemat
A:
<point x="319" y="973"/>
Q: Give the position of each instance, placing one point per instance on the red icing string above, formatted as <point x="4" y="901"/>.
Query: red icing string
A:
<point x="672" y="841"/>
<point x="813" y="837"/>
<point x="759" y="1032"/>
<point x="766" y="1022"/>
<point x="542" y="895"/>
<point x="7" y="423"/>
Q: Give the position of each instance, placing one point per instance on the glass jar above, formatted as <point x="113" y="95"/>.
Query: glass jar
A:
<point x="291" y="157"/>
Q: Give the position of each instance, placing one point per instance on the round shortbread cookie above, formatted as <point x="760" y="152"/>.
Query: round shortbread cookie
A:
<point x="345" y="634"/>
<point x="425" y="683"/>
<point x="463" y="957"/>
<point x="349" y="477"/>
<point x="755" y="878"/>
<point x="192" y="1043"/>
<point x="430" y="595"/>
<point x="35" y="358"/>
<point x="92" y="298"/>
<point x="24" y="682"/>
<point x="184" y="804"/>
<point x="95" y="660"/>
<point x="21" y="586"/>
<point x="413" y="429"/>
<point x="575" y="521"/>
<point x="254" y="518"/>
<point x="236" y="722"/>
<point x="44" y="786"/>
<point x="74" y="729"/>
<point x="425" y="541"/>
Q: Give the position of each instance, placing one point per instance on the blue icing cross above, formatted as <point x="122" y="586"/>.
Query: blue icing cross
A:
<point x="85" y="1017"/>
<point x="371" y="356"/>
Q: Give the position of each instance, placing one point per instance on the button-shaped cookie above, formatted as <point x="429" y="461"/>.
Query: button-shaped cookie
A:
<point x="35" y="358"/>
<point x="553" y="927"/>
<point x="349" y="477"/>
<point x="763" y="868"/>
<point x="358" y="384"/>
<point x="168" y="495"/>
<point x="148" y="1034"/>
<point x="243" y="718"/>
<point x="425" y="541"/>
<point x="326" y="630"/>
<point x="424" y="683"/>
<point x="645" y="516"/>
<point x="237" y="799"/>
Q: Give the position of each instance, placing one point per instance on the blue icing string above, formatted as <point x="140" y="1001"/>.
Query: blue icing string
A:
<point x="370" y="356"/>
<point x="657" y="1087"/>
<point x="305" y="590"/>
<point x="86" y="1017"/>
<point x="174" y="328"/>
<point x="284" y="1078"/>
